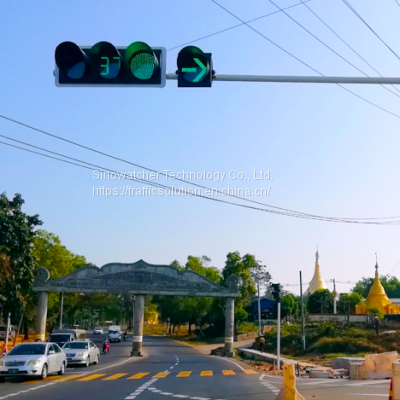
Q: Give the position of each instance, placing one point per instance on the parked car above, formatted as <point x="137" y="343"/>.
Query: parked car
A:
<point x="114" y="333"/>
<point x="33" y="359"/>
<point x="61" y="338"/>
<point x="11" y="332"/>
<point x="81" y="352"/>
<point x="98" y="331"/>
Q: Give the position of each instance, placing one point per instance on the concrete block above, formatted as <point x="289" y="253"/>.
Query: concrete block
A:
<point x="319" y="374"/>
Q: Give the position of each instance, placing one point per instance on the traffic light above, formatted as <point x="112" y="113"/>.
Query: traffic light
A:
<point x="276" y="292"/>
<point x="106" y="65"/>
<point x="194" y="68"/>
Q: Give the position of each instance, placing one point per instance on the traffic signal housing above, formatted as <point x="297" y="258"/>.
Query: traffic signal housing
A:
<point x="105" y="65"/>
<point x="195" y="68"/>
<point x="276" y="292"/>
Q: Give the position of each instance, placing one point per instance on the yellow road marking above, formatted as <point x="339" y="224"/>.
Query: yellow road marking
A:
<point x="114" y="377"/>
<point x="206" y="373"/>
<point x="49" y="378"/>
<point x="138" y="376"/>
<point x="228" y="372"/>
<point x="250" y="372"/>
<point x="68" y="378"/>
<point x="161" y="374"/>
<point x="184" y="374"/>
<point x="91" y="377"/>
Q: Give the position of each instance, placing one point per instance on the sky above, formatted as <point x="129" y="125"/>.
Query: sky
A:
<point x="328" y="152"/>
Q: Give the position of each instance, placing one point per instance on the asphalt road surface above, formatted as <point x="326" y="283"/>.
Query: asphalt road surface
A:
<point x="171" y="370"/>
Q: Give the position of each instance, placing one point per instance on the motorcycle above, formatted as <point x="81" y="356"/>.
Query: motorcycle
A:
<point x="106" y="348"/>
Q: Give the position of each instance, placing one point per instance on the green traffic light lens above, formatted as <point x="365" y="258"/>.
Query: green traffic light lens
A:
<point x="193" y="64"/>
<point x="143" y="66"/>
<point x="141" y="60"/>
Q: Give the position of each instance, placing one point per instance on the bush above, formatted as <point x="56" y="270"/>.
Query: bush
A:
<point x="346" y="345"/>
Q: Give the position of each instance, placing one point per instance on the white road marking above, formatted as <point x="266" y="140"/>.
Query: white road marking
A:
<point x="27" y="390"/>
<point x="141" y="389"/>
<point x="368" y="394"/>
<point x="233" y="362"/>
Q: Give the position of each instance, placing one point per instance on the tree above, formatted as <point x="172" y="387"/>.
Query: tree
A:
<point x="348" y="301"/>
<point x="17" y="264"/>
<point x="49" y="253"/>
<point x="245" y="268"/>
<point x="290" y="305"/>
<point x="321" y="301"/>
<point x="191" y="310"/>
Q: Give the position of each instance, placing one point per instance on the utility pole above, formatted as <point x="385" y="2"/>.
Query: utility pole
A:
<point x="259" y="310"/>
<point x="8" y="330"/>
<point x="303" y="327"/>
<point x="334" y="296"/>
<point x="62" y="310"/>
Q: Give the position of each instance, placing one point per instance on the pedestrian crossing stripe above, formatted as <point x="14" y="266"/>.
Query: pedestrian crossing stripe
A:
<point x="161" y="374"/>
<point x="91" y="377"/>
<point x="68" y="378"/>
<point x="114" y="377"/>
<point x="138" y="376"/>
<point x="228" y="372"/>
<point x="184" y="374"/>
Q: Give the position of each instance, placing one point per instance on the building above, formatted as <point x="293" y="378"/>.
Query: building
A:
<point x="268" y="309"/>
<point x="317" y="282"/>
<point x="377" y="298"/>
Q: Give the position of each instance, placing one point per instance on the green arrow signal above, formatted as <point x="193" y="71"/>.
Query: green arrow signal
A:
<point x="202" y="72"/>
<point x="189" y="69"/>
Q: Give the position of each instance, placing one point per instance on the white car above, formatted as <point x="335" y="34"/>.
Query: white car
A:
<point x="98" y="331"/>
<point x="33" y="359"/>
<point x="85" y="353"/>
<point x="114" y="333"/>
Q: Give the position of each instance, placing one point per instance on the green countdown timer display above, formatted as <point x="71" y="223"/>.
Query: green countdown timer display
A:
<point x="106" y="59"/>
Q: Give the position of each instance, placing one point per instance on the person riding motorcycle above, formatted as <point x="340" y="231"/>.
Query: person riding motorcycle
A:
<point x="125" y="335"/>
<point x="106" y="346"/>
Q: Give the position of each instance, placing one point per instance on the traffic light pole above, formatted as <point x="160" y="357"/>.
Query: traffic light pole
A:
<point x="278" y="344"/>
<point x="300" y="79"/>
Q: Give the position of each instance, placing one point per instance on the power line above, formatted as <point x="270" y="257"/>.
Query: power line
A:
<point x="154" y="184"/>
<point x="369" y="27"/>
<point x="347" y="44"/>
<point x="176" y="190"/>
<point x="397" y="2"/>
<point x="179" y="179"/>
<point x="304" y="63"/>
<point x="236" y="26"/>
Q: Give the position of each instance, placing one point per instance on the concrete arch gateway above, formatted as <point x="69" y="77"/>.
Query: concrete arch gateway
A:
<point x="139" y="279"/>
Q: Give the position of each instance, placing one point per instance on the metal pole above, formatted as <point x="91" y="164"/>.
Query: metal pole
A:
<point x="259" y="310"/>
<point x="300" y="79"/>
<point x="19" y="328"/>
<point x="303" y="328"/>
<point x="334" y="296"/>
<point x="278" y="345"/>
<point x="62" y="310"/>
<point x="8" y="330"/>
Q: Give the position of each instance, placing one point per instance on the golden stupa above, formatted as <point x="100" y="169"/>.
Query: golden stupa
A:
<point x="377" y="298"/>
<point x="317" y="282"/>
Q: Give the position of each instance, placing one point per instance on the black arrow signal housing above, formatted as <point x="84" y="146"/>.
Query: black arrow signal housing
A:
<point x="195" y="68"/>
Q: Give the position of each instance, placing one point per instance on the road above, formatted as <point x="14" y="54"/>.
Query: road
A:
<point x="169" y="369"/>
<point x="176" y="371"/>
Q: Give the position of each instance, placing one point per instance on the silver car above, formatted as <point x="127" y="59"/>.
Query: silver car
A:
<point x="82" y="352"/>
<point x="33" y="359"/>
